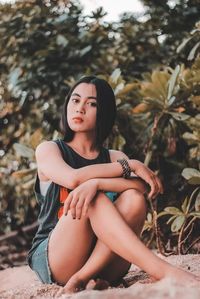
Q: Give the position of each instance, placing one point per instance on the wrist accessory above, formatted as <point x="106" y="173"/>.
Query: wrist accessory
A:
<point x="125" y="167"/>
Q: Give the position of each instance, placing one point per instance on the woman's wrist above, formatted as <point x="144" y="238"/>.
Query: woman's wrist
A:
<point x="95" y="182"/>
<point x="125" y="168"/>
<point x="133" y="164"/>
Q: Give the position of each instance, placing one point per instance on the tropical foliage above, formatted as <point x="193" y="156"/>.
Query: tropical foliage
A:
<point x="155" y="73"/>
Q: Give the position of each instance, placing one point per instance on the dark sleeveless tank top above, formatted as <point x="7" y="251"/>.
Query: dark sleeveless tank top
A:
<point x="51" y="205"/>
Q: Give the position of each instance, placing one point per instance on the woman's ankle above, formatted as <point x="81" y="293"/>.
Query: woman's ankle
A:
<point x="82" y="276"/>
<point x="180" y="275"/>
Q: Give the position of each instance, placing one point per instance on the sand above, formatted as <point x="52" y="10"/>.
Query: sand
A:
<point x="22" y="283"/>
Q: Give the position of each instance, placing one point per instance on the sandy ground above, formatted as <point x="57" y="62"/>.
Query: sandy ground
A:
<point x="22" y="283"/>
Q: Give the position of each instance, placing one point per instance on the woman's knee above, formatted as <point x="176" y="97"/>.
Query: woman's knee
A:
<point x="132" y="205"/>
<point x="100" y="200"/>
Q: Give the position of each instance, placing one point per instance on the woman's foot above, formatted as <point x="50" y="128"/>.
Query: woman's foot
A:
<point x="76" y="284"/>
<point x="181" y="276"/>
<point x="97" y="284"/>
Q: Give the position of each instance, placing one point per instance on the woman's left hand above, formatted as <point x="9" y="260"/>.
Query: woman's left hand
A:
<point x="149" y="177"/>
<point x="79" y="199"/>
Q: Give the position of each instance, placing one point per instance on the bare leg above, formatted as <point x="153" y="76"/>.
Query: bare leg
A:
<point x="103" y="262"/>
<point x="113" y="231"/>
<point x="132" y="207"/>
<point x="70" y="245"/>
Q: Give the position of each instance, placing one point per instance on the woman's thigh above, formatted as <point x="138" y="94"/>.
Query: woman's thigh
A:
<point x="70" y="245"/>
<point x="132" y="207"/>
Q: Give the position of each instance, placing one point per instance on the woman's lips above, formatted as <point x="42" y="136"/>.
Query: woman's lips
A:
<point x="78" y="119"/>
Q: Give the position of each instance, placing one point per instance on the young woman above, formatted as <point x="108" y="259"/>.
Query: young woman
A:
<point x="92" y="199"/>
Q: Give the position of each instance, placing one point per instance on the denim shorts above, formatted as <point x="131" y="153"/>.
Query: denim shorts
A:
<point x="40" y="264"/>
<point x="39" y="260"/>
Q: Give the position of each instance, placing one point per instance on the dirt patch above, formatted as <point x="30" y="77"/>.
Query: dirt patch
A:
<point x="22" y="283"/>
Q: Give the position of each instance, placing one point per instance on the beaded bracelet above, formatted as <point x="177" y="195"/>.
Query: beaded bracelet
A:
<point x="125" y="167"/>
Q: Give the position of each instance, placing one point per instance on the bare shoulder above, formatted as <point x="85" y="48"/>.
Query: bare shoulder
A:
<point x="45" y="150"/>
<point x="46" y="147"/>
<point x="115" y="155"/>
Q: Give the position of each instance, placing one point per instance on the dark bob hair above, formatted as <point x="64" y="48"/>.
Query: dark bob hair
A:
<point x="106" y="110"/>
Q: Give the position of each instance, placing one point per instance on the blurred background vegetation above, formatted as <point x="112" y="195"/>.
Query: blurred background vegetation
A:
<point x="152" y="62"/>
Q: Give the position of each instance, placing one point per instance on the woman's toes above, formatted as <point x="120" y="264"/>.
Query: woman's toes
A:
<point x="90" y="285"/>
<point x="73" y="286"/>
<point x="98" y="284"/>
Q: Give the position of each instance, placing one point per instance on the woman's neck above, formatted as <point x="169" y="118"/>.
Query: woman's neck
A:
<point x="84" y="146"/>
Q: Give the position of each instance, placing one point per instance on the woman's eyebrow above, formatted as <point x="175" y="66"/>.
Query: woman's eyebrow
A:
<point x="92" y="97"/>
<point x="78" y="95"/>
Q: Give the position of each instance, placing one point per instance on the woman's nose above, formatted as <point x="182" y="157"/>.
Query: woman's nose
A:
<point x="81" y="108"/>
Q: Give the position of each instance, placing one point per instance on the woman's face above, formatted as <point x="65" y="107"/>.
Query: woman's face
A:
<point x="82" y="108"/>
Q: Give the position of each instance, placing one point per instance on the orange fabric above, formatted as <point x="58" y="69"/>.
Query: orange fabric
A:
<point x="60" y="212"/>
<point x="63" y="195"/>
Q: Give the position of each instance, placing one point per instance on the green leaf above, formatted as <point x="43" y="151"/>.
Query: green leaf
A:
<point x="197" y="203"/>
<point x="171" y="219"/>
<point x="192" y="52"/>
<point x="118" y="88"/>
<point x="35" y="11"/>
<point x="23" y="172"/>
<point x="14" y="76"/>
<point x="177" y="223"/>
<point x="172" y="81"/>
<point x="23" y="150"/>
<point x="60" y="19"/>
<point x="127" y="88"/>
<point x="28" y="184"/>
<point x="184" y="205"/>
<point x="85" y="50"/>
<point x="183" y="44"/>
<point x="163" y="213"/>
<point x="149" y="217"/>
<point x="194" y="181"/>
<point x="61" y="40"/>
<point x="171" y="101"/>
<point x="159" y="83"/>
<point x="115" y="75"/>
<point x="179" y="116"/>
<point x="119" y="142"/>
<point x="154" y="103"/>
<point x="190" y="137"/>
<point x="173" y="210"/>
<point x="195" y="214"/>
<point x="189" y="173"/>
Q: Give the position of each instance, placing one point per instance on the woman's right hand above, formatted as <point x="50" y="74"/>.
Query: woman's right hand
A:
<point x="79" y="199"/>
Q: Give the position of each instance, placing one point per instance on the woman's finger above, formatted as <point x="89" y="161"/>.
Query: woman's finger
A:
<point x="158" y="188"/>
<point x="73" y="205"/>
<point x="86" y="206"/>
<point x="154" y="187"/>
<point x="67" y="203"/>
<point x="160" y="185"/>
<point x="79" y="207"/>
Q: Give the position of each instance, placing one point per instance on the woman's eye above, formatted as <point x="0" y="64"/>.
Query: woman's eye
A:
<point x="93" y="104"/>
<point x="75" y="100"/>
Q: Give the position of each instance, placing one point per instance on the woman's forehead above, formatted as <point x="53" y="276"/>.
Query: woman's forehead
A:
<point x="85" y="89"/>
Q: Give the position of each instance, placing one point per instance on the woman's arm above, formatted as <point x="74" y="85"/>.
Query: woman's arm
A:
<point x="120" y="184"/>
<point x="79" y="199"/>
<point x="52" y="165"/>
